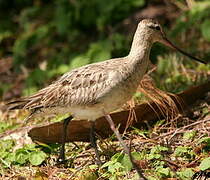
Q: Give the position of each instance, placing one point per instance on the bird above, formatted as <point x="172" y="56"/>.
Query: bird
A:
<point x="97" y="89"/>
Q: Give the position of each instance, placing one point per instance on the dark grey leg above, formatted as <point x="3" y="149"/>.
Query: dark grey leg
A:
<point x="94" y="144"/>
<point x="61" y="158"/>
<point x="112" y="126"/>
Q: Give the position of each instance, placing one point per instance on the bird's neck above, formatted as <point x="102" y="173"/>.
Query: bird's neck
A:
<point x="140" y="48"/>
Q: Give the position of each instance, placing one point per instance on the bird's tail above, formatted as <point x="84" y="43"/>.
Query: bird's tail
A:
<point x="17" y="104"/>
<point x="30" y="102"/>
<point x="21" y="104"/>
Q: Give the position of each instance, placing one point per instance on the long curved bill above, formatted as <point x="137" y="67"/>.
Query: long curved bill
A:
<point x="170" y="44"/>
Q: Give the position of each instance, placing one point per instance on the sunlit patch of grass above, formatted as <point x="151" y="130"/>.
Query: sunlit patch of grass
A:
<point x="173" y="74"/>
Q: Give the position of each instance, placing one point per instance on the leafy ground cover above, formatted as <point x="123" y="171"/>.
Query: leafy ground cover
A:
<point x="174" y="148"/>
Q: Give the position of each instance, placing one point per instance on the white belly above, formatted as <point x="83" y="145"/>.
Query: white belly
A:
<point x="90" y="112"/>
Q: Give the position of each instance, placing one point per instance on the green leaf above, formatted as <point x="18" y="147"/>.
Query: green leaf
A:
<point x="186" y="174"/>
<point x="36" y="158"/>
<point x="158" y="149"/>
<point x="115" y="167"/>
<point x="186" y="153"/>
<point x="205" y="164"/>
<point x="181" y="150"/>
<point x="189" y="135"/>
<point x="10" y="157"/>
<point x="156" y="152"/>
<point x="117" y="157"/>
<point x="6" y="145"/>
<point x="5" y="126"/>
<point x="126" y="163"/>
<point x="45" y="147"/>
<point x="142" y="133"/>
<point x="30" y="147"/>
<point x="205" y="29"/>
<point x="154" y="156"/>
<point x="4" y="163"/>
<point x="204" y="140"/>
<point x="3" y="154"/>
<point x="107" y="164"/>
<point x="21" y="156"/>
<point x="163" y="172"/>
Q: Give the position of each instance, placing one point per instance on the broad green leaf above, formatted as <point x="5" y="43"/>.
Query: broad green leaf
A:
<point x="126" y="163"/>
<point x="107" y="164"/>
<point x="30" y="147"/>
<point x="186" y="174"/>
<point x="36" y="158"/>
<point x="117" y="157"/>
<point x="205" y="164"/>
<point x="115" y="167"/>
<point x="21" y="156"/>
<point x="10" y="157"/>
<point x="163" y="172"/>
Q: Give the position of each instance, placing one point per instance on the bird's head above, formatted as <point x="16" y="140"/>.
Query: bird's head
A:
<point x="152" y="31"/>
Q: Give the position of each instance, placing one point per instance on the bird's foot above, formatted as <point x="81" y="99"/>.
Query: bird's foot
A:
<point x="61" y="160"/>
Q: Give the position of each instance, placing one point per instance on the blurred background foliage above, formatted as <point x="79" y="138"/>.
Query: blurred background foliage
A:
<point x="40" y="40"/>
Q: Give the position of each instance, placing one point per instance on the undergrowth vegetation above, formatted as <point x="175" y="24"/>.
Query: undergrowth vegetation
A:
<point x="41" y="40"/>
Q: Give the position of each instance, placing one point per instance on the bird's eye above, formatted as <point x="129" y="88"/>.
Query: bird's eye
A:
<point x="155" y="27"/>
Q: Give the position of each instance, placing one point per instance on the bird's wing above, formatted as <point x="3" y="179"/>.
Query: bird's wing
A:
<point x="80" y="86"/>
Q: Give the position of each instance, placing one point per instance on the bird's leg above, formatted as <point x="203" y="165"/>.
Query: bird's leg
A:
<point x="61" y="158"/>
<point x="93" y="143"/>
<point x="112" y="126"/>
